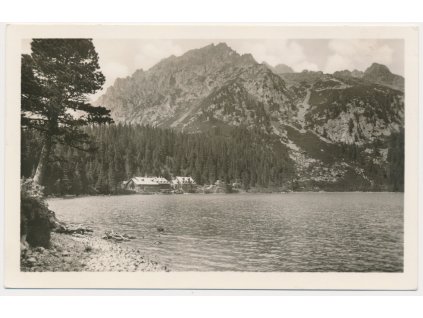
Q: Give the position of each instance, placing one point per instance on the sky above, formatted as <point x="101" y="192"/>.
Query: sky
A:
<point x="122" y="57"/>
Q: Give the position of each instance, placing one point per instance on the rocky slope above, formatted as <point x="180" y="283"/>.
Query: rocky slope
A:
<point x="173" y="92"/>
<point x="342" y="130"/>
<point x="326" y="120"/>
<point x="380" y="74"/>
<point x="377" y="74"/>
<point x="281" y="69"/>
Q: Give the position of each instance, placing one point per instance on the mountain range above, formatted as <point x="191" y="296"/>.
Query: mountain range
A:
<point x="338" y="128"/>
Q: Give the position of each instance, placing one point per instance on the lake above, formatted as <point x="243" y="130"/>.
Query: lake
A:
<point x="301" y="232"/>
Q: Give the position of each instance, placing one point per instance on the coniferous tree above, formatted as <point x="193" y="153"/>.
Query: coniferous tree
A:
<point x="250" y="158"/>
<point x="55" y="79"/>
<point x="396" y="161"/>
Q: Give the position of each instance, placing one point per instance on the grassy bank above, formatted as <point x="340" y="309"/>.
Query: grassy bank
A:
<point x="75" y="253"/>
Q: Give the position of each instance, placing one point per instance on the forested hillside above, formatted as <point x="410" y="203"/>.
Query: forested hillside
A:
<point x="250" y="157"/>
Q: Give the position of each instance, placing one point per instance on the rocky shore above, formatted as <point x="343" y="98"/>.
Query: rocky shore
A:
<point x="84" y="252"/>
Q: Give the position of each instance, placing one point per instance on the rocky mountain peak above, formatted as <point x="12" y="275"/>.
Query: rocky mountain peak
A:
<point x="222" y="46"/>
<point x="377" y="69"/>
<point x="380" y="74"/>
<point x="343" y="73"/>
<point x="357" y="74"/>
<point x="248" y="58"/>
<point x="215" y="85"/>
<point x="212" y="51"/>
<point x="282" y="68"/>
<point x="348" y="74"/>
<point x="210" y="57"/>
<point x="279" y="68"/>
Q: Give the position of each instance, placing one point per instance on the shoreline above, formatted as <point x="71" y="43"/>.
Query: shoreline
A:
<point x="86" y="253"/>
<point x="211" y="194"/>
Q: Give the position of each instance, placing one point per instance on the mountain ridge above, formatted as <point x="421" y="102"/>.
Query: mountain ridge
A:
<point x="214" y="86"/>
<point x="380" y="74"/>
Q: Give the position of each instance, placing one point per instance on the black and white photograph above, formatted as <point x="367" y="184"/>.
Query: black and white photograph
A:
<point x="226" y="154"/>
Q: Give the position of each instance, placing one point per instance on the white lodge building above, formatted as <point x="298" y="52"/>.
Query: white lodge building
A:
<point x="147" y="184"/>
<point x="159" y="184"/>
<point x="184" y="183"/>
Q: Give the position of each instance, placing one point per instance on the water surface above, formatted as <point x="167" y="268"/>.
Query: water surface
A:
<point x="300" y="232"/>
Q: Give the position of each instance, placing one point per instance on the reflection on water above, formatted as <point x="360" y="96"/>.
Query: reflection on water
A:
<point x="299" y="232"/>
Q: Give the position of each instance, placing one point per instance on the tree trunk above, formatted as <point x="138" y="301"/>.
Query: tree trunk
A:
<point x="42" y="163"/>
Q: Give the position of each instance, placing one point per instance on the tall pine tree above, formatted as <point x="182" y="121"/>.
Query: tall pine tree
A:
<point x="55" y="81"/>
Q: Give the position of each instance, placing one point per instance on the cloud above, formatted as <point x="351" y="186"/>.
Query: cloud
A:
<point x="150" y="52"/>
<point x="304" y="65"/>
<point x="122" y="57"/>
<point x="113" y="70"/>
<point x="357" y="54"/>
<point x="275" y="52"/>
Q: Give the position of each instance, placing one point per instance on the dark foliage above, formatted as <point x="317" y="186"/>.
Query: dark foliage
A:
<point x="37" y="220"/>
<point x="35" y="223"/>
<point x="250" y="157"/>
<point x="396" y="161"/>
<point x="376" y="100"/>
<point x="55" y="81"/>
<point x="380" y="175"/>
